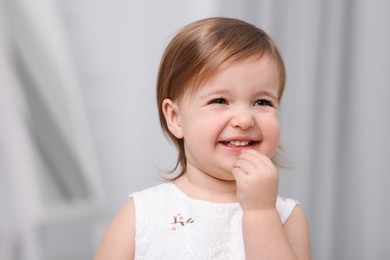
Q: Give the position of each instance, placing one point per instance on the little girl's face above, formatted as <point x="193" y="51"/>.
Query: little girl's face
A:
<point x="236" y="110"/>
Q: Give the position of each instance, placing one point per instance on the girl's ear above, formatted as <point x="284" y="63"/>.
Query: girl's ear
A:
<point x="172" y="116"/>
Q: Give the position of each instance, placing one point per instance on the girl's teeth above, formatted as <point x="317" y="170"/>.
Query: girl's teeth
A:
<point x="238" y="143"/>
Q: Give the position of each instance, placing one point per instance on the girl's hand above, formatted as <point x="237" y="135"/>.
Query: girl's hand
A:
<point x="256" y="179"/>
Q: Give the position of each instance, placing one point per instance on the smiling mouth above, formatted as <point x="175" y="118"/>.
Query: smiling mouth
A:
<point x="239" y="143"/>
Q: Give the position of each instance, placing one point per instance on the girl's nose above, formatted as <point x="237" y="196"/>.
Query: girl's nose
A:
<point x="242" y="118"/>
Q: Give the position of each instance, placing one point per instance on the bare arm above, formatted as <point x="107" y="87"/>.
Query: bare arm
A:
<point x="297" y="232"/>
<point x="265" y="237"/>
<point x="119" y="240"/>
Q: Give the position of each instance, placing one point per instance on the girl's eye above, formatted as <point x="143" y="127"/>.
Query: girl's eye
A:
<point x="263" y="102"/>
<point x="219" y="101"/>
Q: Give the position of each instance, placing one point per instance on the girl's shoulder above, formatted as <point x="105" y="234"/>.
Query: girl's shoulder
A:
<point x="119" y="243"/>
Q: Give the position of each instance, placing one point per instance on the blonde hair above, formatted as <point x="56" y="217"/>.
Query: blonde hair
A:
<point x="196" y="53"/>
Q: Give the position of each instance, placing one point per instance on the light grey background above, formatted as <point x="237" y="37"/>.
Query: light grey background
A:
<point x="79" y="128"/>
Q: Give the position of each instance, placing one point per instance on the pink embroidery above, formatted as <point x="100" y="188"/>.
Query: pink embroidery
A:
<point x="179" y="219"/>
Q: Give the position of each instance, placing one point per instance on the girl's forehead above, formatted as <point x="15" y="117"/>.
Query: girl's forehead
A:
<point x="222" y="72"/>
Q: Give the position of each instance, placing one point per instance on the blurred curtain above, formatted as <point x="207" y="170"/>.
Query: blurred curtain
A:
<point x="49" y="175"/>
<point x="335" y="119"/>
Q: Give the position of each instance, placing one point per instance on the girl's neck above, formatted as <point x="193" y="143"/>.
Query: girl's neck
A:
<point x="208" y="189"/>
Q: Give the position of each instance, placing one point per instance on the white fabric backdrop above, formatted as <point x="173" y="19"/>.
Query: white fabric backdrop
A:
<point x="335" y="120"/>
<point x="48" y="164"/>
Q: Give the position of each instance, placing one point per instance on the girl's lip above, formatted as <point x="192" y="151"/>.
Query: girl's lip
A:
<point x="240" y="138"/>
<point x="238" y="143"/>
<point x="239" y="148"/>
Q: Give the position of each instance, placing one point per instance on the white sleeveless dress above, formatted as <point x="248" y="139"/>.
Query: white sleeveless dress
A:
<point x="170" y="225"/>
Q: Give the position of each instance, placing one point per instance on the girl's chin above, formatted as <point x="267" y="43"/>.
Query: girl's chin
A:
<point x="224" y="175"/>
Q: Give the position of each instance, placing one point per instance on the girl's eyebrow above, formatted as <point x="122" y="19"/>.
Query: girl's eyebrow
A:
<point x="268" y="93"/>
<point x="207" y="93"/>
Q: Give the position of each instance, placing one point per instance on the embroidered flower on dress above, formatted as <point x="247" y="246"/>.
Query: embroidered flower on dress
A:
<point x="178" y="219"/>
